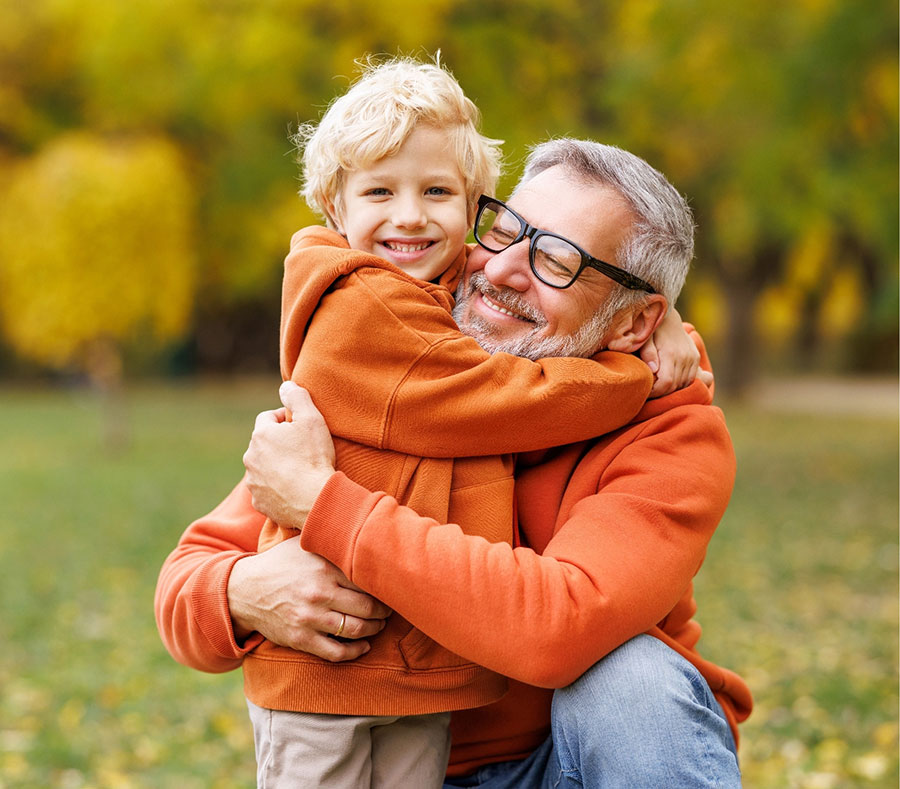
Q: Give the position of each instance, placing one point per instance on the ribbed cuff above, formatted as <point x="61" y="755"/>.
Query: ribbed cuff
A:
<point x="335" y="520"/>
<point x="211" y="612"/>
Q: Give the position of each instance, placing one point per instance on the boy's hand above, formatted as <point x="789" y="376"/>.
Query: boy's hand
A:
<point x="672" y="357"/>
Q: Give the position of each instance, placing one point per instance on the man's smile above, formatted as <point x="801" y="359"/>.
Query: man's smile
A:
<point x="489" y="302"/>
<point x="502" y="302"/>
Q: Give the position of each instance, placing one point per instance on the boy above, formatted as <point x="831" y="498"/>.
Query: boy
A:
<point x="417" y="409"/>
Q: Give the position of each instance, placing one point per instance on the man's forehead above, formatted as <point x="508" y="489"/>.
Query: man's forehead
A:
<point x="560" y="202"/>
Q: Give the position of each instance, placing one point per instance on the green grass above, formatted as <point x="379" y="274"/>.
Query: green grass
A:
<point x="798" y="594"/>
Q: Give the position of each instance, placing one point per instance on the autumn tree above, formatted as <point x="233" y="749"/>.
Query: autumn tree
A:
<point x="779" y="121"/>
<point x="96" y="252"/>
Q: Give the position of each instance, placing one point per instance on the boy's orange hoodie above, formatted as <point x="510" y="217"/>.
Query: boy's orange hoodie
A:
<point x="420" y="411"/>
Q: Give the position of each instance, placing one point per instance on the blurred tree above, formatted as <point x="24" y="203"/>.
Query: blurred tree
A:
<point x="780" y="124"/>
<point x="96" y="250"/>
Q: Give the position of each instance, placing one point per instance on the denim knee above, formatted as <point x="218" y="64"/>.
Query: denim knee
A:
<point x="643" y="713"/>
<point x="636" y="675"/>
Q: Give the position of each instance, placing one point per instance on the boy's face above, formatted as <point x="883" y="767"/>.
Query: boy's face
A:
<point x="409" y="208"/>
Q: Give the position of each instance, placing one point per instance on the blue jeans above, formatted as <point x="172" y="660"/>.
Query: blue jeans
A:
<point x="643" y="717"/>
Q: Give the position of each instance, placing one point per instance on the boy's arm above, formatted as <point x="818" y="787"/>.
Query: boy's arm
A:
<point x="673" y="356"/>
<point x="388" y="368"/>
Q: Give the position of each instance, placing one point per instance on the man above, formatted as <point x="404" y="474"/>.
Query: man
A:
<point x="590" y="616"/>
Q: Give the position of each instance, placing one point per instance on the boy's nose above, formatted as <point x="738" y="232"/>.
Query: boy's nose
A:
<point x="409" y="214"/>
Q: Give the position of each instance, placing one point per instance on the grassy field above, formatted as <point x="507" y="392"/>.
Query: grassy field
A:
<point x="799" y="593"/>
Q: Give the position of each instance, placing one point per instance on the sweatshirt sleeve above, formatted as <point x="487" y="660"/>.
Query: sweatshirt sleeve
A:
<point x="388" y="368"/>
<point x="619" y="559"/>
<point x="191" y="603"/>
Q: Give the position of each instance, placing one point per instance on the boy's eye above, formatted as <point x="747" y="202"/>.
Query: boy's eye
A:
<point x="378" y="191"/>
<point x="438" y="191"/>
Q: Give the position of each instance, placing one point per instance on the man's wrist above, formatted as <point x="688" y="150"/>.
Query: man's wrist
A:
<point x="338" y="513"/>
<point x="240" y="625"/>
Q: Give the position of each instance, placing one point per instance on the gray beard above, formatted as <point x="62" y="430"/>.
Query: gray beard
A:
<point x="586" y="341"/>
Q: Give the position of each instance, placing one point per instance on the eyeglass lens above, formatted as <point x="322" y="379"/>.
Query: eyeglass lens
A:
<point x="497" y="228"/>
<point x="555" y="261"/>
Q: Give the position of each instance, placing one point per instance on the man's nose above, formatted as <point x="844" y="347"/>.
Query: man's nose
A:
<point x="409" y="213"/>
<point x="510" y="268"/>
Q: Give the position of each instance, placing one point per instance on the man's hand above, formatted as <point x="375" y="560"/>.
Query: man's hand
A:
<point x="296" y="599"/>
<point x="290" y="458"/>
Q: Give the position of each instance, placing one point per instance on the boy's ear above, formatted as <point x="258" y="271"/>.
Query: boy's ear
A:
<point x="332" y="216"/>
<point x="633" y="327"/>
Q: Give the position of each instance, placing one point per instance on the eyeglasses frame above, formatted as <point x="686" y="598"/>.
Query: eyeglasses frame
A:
<point x="527" y="230"/>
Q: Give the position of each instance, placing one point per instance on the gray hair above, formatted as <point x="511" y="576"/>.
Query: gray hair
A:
<point x="661" y="245"/>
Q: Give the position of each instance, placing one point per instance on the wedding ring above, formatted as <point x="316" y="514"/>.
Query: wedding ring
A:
<point x="341" y="626"/>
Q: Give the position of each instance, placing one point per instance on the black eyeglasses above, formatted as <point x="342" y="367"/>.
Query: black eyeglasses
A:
<point x="555" y="260"/>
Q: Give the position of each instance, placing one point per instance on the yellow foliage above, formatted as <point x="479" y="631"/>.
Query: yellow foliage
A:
<point x="95" y="242"/>
<point x="735" y="225"/>
<point x="776" y="315"/>
<point x="634" y="18"/>
<point x="261" y="239"/>
<point x="706" y="310"/>
<point x="71" y="715"/>
<point x="810" y="257"/>
<point x="844" y="303"/>
<point x="358" y="25"/>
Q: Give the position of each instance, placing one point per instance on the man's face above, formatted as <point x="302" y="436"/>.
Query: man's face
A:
<point x="506" y="308"/>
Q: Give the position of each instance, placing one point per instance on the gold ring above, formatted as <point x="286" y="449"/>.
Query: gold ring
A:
<point x="341" y="626"/>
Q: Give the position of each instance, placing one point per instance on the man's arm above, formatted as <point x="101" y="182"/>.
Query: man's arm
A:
<point x="215" y="597"/>
<point x="622" y="553"/>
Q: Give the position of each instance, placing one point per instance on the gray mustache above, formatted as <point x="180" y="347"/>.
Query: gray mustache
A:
<point x="505" y="298"/>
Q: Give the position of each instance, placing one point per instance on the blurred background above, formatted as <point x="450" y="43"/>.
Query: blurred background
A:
<point x="147" y="195"/>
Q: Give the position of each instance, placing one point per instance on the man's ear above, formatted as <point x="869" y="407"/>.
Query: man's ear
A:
<point x="633" y="327"/>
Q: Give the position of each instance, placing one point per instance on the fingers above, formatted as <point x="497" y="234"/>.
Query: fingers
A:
<point x="318" y="631"/>
<point x="335" y="651"/>
<point x="263" y="420"/>
<point x="294" y="397"/>
<point x="706" y="377"/>
<point x="353" y="627"/>
<point x="351" y="643"/>
<point x="676" y="374"/>
<point x="356" y="603"/>
<point x="267" y="418"/>
<point x="650" y="355"/>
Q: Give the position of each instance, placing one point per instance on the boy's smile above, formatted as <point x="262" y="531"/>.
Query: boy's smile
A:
<point x="409" y="208"/>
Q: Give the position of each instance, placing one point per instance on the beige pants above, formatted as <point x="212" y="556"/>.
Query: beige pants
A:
<point x="296" y="750"/>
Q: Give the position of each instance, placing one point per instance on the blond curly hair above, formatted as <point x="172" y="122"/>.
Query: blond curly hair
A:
<point x="374" y="118"/>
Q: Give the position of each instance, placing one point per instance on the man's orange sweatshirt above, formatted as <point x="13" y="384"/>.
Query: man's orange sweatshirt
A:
<point x="418" y="410"/>
<point x="612" y="533"/>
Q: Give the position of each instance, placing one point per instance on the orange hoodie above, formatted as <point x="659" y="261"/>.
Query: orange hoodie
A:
<point x="612" y="533"/>
<point x="421" y="411"/>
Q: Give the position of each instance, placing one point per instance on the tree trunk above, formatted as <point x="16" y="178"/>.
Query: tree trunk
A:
<point x="103" y="364"/>
<point x="739" y="367"/>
